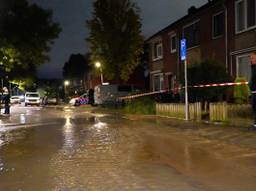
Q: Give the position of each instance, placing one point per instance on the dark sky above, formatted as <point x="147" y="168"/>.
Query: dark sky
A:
<point x="72" y="14"/>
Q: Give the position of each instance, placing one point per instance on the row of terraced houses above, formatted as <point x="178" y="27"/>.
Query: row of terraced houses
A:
<point x="221" y="30"/>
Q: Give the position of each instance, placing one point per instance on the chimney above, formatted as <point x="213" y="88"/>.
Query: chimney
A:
<point x="192" y="10"/>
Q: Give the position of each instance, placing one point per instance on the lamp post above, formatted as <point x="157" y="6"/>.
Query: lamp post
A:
<point x="66" y="83"/>
<point x="98" y="65"/>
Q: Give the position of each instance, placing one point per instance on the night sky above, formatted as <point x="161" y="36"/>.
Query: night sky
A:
<point x="72" y="15"/>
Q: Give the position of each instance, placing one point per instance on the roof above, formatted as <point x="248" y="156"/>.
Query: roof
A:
<point x="195" y="12"/>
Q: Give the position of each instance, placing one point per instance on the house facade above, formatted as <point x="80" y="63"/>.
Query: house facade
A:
<point x="220" y="30"/>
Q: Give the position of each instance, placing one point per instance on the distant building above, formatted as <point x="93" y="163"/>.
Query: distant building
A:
<point x="219" y="30"/>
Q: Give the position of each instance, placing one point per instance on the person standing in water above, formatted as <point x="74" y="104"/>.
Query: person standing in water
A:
<point x="6" y="101"/>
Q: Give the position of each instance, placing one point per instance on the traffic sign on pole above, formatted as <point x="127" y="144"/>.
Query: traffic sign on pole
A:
<point x="183" y="56"/>
<point x="183" y="49"/>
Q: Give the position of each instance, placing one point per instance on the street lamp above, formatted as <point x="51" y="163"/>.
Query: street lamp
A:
<point x="66" y="83"/>
<point x="98" y="65"/>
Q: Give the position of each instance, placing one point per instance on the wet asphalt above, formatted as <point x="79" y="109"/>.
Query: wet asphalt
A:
<point x="66" y="148"/>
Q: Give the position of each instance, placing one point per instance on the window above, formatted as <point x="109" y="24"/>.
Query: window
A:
<point x="173" y="43"/>
<point x="244" y="66"/>
<point x="218" y="24"/>
<point x="251" y="13"/>
<point x="245" y="15"/>
<point x="191" y="34"/>
<point x="158" y="82"/>
<point x="157" y="50"/>
<point x="171" y="81"/>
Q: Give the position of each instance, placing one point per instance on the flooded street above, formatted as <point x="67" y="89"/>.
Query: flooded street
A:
<point x="74" y="149"/>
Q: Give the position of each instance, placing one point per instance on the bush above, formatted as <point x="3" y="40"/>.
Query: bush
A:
<point x="145" y="106"/>
<point x="207" y="72"/>
<point x="241" y="93"/>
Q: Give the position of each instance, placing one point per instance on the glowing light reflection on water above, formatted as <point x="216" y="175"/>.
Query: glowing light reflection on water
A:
<point x="1" y="141"/>
<point x="22" y="119"/>
<point x="1" y="165"/>
<point x="68" y="132"/>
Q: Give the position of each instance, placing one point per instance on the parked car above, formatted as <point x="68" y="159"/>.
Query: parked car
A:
<point x="52" y="101"/>
<point x="22" y="98"/>
<point x="32" y="98"/>
<point x="80" y="100"/>
<point x="49" y="100"/>
<point x="15" y="100"/>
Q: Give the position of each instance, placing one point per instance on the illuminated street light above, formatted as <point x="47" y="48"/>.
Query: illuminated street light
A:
<point x="66" y="82"/>
<point x="98" y="65"/>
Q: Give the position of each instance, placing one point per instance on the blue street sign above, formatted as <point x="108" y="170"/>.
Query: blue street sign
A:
<point x="183" y="49"/>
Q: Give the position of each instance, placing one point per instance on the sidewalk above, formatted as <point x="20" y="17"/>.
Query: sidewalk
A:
<point x="241" y="136"/>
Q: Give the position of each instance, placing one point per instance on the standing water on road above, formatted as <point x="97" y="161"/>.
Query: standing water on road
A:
<point x="73" y="150"/>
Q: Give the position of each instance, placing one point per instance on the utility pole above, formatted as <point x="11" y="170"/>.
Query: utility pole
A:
<point x="186" y="89"/>
<point x="183" y="50"/>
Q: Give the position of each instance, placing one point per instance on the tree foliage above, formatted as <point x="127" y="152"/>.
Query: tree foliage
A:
<point x="207" y="72"/>
<point x="26" y="33"/>
<point x="115" y="37"/>
<point x="76" y="67"/>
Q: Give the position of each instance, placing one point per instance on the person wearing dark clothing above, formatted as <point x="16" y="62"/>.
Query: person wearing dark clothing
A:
<point x="253" y="86"/>
<point x="91" y="96"/>
<point x="6" y="101"/>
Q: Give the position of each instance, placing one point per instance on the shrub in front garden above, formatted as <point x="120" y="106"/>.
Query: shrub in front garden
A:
<point x="241" y="93"/>
<point x="145" y="106"/>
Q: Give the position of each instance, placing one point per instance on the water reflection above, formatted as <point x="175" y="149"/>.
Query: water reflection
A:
<point x="1" y="166"/>
<point x="1" y="140"/>
<point x="68" y="132"/>
<point x="99" y="125"/>
<point x="67" y="109"/>
<point x="22" y="119"/>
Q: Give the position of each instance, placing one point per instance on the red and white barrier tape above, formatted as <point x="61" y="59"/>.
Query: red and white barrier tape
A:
<point x="221" y="84"/>
<point x="196" y="86"/>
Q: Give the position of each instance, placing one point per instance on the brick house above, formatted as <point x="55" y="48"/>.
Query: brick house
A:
<point x="221" y="31"/>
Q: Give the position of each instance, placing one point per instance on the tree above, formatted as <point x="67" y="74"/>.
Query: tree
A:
<point x="76" y="67"/>
<point x="115" y="37"/>
<point x="26" y="33"/>
<point x="207" y="72"/>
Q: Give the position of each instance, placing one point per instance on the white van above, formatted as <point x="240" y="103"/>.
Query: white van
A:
<point x="109" y="94"/>
<point x="32" y="98"/>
